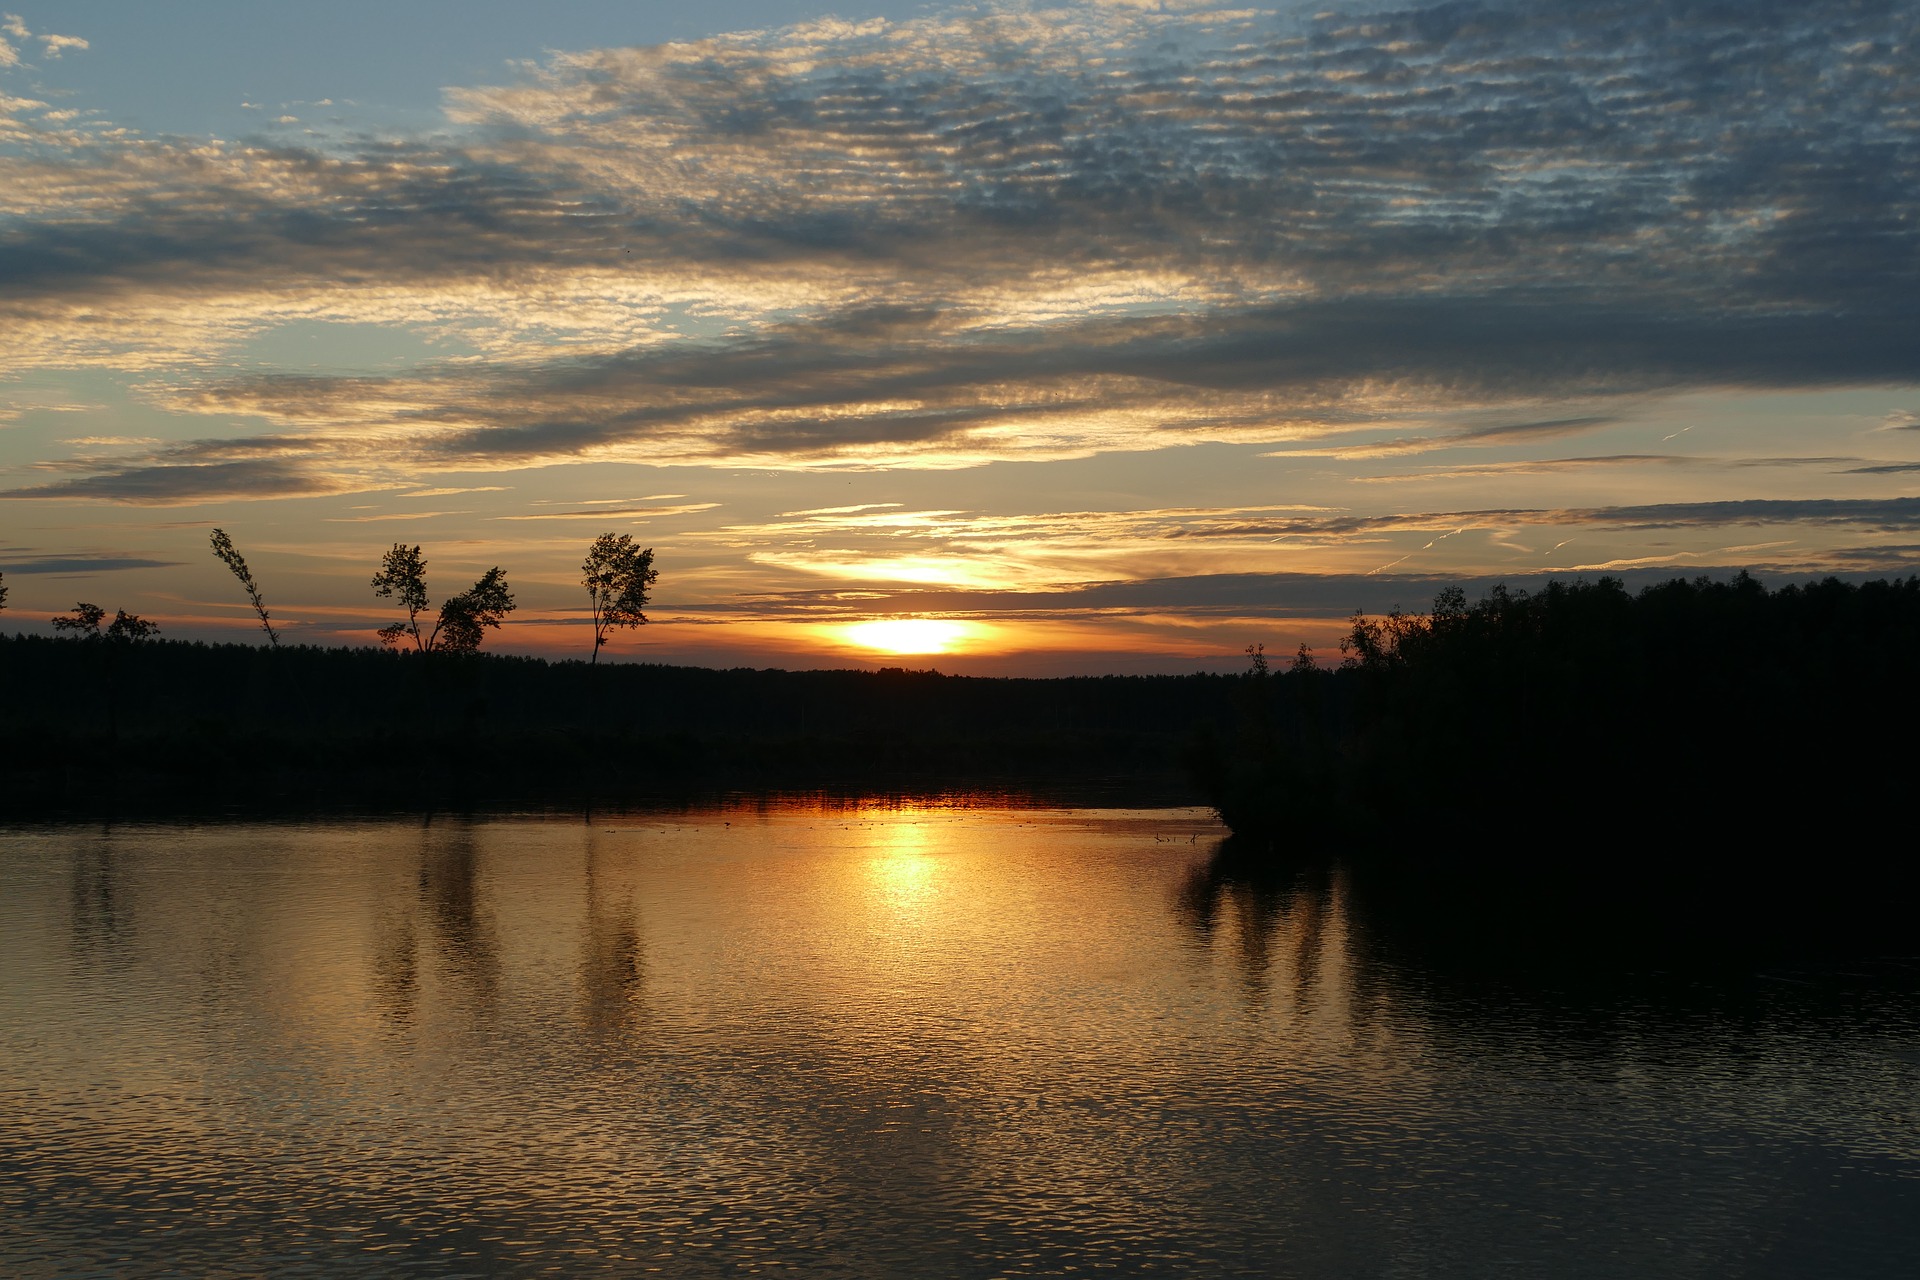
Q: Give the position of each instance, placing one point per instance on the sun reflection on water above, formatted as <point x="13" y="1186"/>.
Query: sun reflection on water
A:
<point x="928" y="1040"/>
<point x="903" y="872"/>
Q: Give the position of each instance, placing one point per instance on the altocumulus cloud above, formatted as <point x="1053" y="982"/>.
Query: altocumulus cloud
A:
<point x="1008" y="232"/>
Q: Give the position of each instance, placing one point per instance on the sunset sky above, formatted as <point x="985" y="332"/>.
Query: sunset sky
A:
<point x="1090" y="337"/>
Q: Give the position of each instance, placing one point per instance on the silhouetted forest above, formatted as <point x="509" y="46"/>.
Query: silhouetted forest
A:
<point x="1518" y="730"/>
<point x="94" y="726"/>
<point x="1752" y="747"/>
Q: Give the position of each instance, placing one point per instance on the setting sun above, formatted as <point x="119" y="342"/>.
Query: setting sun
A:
<point x="910" y="635"/>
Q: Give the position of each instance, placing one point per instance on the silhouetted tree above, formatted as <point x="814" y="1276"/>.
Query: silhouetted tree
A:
<point x="3" y="590"/>
<point x="83" y="622"/>
<point x="403" y="574"/>
<point x="1381" y="643"/>
<point x="463" y="619"/>
<point x="131" y="627"/>
<point x="616" y="575"/>
<point x="223" y="549"/>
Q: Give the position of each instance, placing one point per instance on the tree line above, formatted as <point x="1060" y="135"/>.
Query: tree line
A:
<point x="97" y="728"/>
<point x="1718" y="716"/>
<point x="617" y="574"/>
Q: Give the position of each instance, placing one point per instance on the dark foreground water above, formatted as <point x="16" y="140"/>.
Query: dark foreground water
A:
<point x="887" y="1042"/>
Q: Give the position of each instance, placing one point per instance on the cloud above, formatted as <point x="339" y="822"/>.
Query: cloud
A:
<point x="1882" y="514"/>
<point x="895" y="549"/>
<point x="180" y="485"/>
<point x="386" y="517"/>
<point x="1548" y="466"/>
<point x="842" y="511"/>
<point x="605" y="513"/>
<point x="1895" y="558"/>
<point x="1501" y="434"/>
<point x="1534" y="466"/>
<point x="920" y="396"/>
<point x="74" y="565"/>
<point x="1886" y="514"/>
<point x="52" y="46"/>
<point x="1005" y="232"/>
<point x="1224" y="596"/>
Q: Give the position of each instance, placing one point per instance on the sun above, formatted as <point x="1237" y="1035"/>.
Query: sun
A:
<point x="909" y="635"/>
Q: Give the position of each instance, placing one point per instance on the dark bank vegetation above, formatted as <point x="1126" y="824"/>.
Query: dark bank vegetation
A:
<point x="1744" y="754"/>
<point x="1692" y="705"/>
<point x="169" y="725"/>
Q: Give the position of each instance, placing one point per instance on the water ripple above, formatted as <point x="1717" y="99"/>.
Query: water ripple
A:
<point x="873" y="1043"/>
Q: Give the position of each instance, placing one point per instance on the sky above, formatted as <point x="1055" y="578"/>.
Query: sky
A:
<point x="1090" y="337"/>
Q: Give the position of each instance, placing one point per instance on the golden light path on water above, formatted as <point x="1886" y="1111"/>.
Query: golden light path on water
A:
<point x="864" y="1040"/>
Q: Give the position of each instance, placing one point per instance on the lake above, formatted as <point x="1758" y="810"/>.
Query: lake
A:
<point x="882" y="1040"/>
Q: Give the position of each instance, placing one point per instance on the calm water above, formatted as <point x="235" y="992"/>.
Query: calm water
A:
<point x="884" y="1042"/>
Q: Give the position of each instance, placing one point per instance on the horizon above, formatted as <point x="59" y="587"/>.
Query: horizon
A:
<point x="1083" y="338"/>
<point x="876" y="657"/>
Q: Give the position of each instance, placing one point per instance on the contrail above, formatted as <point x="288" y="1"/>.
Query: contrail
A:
<point x="1411" y="554"/>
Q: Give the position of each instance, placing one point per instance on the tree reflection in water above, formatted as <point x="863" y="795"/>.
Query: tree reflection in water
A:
<point x="99" y="905"/>
<point x="1300" y="908"/>
<point x="450" y="887"/>
<point x="395" y="968"/>
<point x="904" y="1041"/>
<point x="610" y="948"/>
<point x="1617" y="962"/>
<point x="448" y="892"/>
